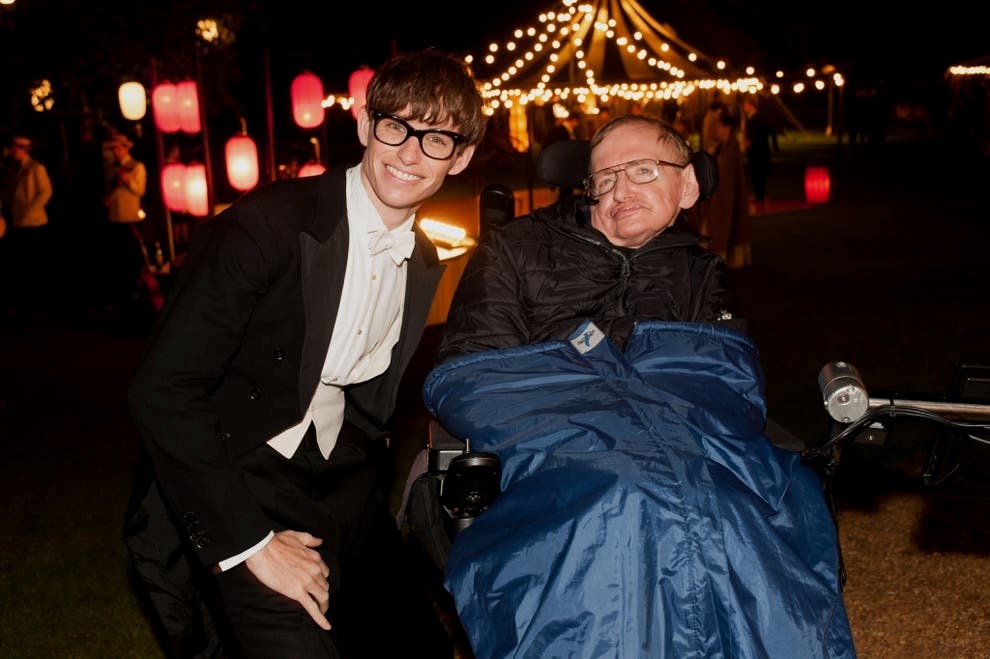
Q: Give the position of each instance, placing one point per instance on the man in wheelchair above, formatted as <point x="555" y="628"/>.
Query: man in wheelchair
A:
<point x="643" y="510"/>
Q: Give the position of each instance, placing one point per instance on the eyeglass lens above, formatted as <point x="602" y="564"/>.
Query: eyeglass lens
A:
<point x="394" y="131"/>
<point x="637" y="171"/>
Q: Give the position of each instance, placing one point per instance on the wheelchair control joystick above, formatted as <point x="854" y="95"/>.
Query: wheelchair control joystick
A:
<point x="470" y="485"/>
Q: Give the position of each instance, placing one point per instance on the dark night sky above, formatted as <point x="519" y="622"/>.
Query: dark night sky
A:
<point x="871" y="37"/>
<point x="851" y="33"/>
<point x="96" y="44"/>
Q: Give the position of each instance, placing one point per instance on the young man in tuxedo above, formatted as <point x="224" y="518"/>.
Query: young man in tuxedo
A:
<point x="264" y="394"/>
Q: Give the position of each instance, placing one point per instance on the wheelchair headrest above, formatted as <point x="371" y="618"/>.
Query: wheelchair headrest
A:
<point x="564" y="164"/>
<point x="706" y="169"/>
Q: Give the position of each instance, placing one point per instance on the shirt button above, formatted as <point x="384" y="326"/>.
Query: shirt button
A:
<point x="374" y="277"/>
<point x="359" y="332"/>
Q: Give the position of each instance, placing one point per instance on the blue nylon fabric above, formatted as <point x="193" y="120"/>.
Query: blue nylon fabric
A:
<point x="643" y="512"/>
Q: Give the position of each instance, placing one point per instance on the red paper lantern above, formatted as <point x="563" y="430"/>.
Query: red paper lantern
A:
<point x="307" y="100"/>
<point x="357" y="87"/>
<point x="188" y="101"/>
<point x="165" y="107"/>
<point x="173" y="187"/>
<point x="312" y="168"/>
<point x="194" y="184"/>
<point x="817" y="185"/>
<point x="242" y="162"/>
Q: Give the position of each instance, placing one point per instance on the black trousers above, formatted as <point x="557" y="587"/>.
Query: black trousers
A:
<point x="378" y="599"/>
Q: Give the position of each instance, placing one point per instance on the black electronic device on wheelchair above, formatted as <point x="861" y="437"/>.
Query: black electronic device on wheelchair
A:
<point x="469" y="481"/>
<point x="449" y="491"/>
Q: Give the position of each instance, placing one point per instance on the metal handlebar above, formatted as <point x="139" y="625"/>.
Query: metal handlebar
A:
<point x="846" y="398"/>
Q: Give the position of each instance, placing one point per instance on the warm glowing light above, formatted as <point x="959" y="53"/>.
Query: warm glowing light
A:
<point x="208" y="30"/>
<point x="173" y="187"/>
<point x="970" y="70"/>
<point x="450" y="240"/>
<point x="357" y="87"/>
<point x="165" y="107"/>
<point x="133" y="101"/>
<point x="442" y="232"/>
<point x="817" y="184"/>
<point x="307" y="100"/>
<point x="187" y="100"/>
<point x="41" y="97"/>
<point x="194" y="186"/>
<point x="242" y="162"/>
<point x="312" y="168"/>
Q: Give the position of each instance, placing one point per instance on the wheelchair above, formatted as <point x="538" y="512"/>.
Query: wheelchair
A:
<point x="449" y="484"/>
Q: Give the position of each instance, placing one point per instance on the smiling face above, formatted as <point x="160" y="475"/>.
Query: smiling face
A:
<point x="630" y="215"/>
<point x="400" y="178"/>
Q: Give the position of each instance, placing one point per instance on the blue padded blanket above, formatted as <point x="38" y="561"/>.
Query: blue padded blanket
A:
<point x="644" y="513"/>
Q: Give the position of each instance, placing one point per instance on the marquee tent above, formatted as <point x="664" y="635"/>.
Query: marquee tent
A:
<point x="603" y="49"/>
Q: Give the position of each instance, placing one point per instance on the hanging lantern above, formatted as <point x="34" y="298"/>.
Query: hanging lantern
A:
<point x="312" y="168"/>
<point x="194" y="185"/>
<point x="173" y="187"/>
<point x="307" y="100"/>
<point x="133" y="101"/>
<point x="188" y="102"/>
<point x="357" y="87"/>
<point x="242" y="160"/>
<point x="165" y="106"/>
<point x="315" y="166"/>
<point x="817" y="185"/>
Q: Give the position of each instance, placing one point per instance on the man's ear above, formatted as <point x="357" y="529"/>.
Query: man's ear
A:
<point x="690" y="191"/>
<point x="363" y="122"/>
<point x="462" y="159"/>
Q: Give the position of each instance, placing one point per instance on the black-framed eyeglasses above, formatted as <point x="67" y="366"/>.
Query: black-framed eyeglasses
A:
<point x="433" y="142"/>
<point x="639" y="172"/>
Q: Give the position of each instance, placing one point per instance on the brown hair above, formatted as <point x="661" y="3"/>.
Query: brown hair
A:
<point x="430" y="86"/>
<point x="666" y="134"/>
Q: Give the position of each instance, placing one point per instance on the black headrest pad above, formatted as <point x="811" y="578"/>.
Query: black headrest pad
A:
<point x="564" y="164"/>
<point x="706" y="169"/>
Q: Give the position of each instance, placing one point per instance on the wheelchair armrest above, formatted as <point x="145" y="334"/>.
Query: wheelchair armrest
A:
<point x="443" y="447"/>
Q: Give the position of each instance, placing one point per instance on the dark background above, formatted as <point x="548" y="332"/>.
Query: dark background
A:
<point x="88" y="48"/>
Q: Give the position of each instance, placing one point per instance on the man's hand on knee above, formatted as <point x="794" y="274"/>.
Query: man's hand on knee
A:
<point x="290" y="566"/>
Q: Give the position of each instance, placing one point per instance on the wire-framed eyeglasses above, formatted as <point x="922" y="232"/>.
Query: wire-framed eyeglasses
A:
<point x="434" y="143"/>
<point x="639" y="172"/>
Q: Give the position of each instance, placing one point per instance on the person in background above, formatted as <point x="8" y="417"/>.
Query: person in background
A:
<point x="128" y="184"/>
<point x="266" y="390"/>
<point x="709" y="140"/>
<point x="130" y="237"/>
<point x="26" y="258"/>
<point x="757" y="133"/>
<point x="725" y="215"/>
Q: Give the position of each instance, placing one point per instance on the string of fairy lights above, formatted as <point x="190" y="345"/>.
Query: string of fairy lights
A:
<point x="567" y="35"/>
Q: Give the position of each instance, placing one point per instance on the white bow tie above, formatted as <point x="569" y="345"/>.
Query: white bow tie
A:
<point x="399" y="245"/>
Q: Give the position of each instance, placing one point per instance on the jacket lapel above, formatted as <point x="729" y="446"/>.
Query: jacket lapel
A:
<point x="323" y="262"/>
